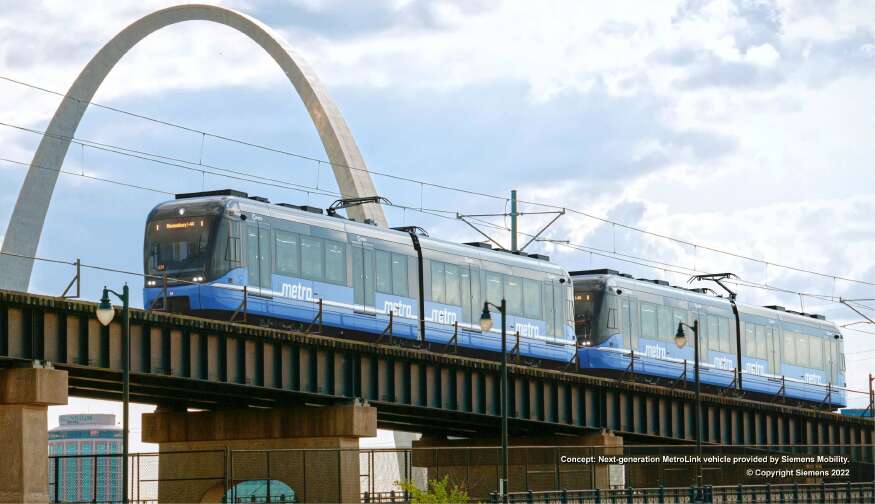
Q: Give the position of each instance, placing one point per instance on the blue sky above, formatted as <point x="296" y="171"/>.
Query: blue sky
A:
<point x="742" y="125"/>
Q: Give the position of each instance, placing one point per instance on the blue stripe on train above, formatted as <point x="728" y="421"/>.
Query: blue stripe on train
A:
<point x="298" y="304"/>
<point x="612" y="359"/>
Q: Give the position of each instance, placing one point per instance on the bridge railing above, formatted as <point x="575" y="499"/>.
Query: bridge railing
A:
<point x="822" y="493"/>
<point x="552" y="474"/>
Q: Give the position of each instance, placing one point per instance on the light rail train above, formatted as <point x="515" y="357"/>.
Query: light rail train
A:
<point x="210" y="253"/>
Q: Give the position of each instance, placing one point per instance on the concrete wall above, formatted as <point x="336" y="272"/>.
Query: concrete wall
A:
<point x="312" y="450"/>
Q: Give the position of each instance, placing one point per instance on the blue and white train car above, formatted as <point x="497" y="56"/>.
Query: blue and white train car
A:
<point x="291" y="259"/>
<point x="629" y="325"/>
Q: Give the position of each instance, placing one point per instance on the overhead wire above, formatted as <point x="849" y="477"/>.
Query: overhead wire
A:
<point x="423" y="183"/>
<point x="441" y="213"/>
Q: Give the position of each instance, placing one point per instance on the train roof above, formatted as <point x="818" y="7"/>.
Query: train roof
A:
<point x="701" y="296"/>
<point x="314" y="216"/>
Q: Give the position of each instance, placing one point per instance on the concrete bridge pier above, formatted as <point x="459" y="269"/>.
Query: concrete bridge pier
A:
<point x="318" y="457"/>
<point x="25" y="395"/>
<point x="536" y="463"/>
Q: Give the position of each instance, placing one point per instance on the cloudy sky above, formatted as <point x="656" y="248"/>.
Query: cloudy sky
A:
<point x="744" y="126"/>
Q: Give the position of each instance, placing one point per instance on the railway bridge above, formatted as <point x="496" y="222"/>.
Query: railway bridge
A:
<point x="251" y="382"/>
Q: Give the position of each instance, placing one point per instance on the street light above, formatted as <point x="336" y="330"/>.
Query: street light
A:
<point x="105" y="312"/>
<point x="486" y="326"/>
<point x="680" y="340"/>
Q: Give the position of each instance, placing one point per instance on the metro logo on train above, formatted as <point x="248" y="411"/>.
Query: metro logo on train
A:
<point x="292" y="260"/>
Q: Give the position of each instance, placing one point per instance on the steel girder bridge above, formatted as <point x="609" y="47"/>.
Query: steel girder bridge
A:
<point x="179" y="361"/>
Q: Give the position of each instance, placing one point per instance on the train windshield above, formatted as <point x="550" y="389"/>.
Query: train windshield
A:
<point x="179" y="246"/>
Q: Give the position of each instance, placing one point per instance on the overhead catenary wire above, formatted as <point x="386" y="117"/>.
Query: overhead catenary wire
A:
<point x="445" y="214"/>
<point x="670" y="267"/>
<point x="441" y="213"/>
<point x="423" y="183"/>
<point x="284" y="184"/>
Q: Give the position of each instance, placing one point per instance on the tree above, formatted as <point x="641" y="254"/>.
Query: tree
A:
<point x="439" y="492"/>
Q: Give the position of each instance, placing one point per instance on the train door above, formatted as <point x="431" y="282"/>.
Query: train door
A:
<point x="772" y="349"/>
<point x="363" y="276"/>
<point x="258" y="257"/>
<point x="633" y="322"/>
<point x="470" y="282"/>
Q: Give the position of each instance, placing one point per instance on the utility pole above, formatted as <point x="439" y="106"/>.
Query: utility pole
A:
<point x="513" y="216"/>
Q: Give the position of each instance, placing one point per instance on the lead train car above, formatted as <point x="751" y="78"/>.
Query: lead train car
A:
<point x="291" y="258"/>
<point x="616" y="315"/>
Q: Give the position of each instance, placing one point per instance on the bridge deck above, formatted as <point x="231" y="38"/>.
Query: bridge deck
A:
<point x="202" y="363"/>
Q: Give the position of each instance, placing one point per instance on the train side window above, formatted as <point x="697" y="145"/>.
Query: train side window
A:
<point x="612" y="313"/>
<point x="252" y="257"/>
<point x="750" y="341"/>
<point x="232" y="247"/>
<point x="513" y="291"/>
<point x="532" y="294"/>
<point x="493" y="287"/>
<point x="384" y="271"/>
<point x="789" y="347"/>
<point x="465" y="284"/>
<point x="815" y="352"/>
<point x="626" y="316"/>
<point x="559" y="318"/>
<point x="437" y="282"/>
<point x="725" y="342"/>
<point x="825" y="356"/>
<point x="287" y="254"/>
<point x="399" y="275"/>
<point x="548" y="306"/>
<point x="335" y="262"/>
<point x="664" y="319"/>
<point x="648" y="321"/>
<point x="802" y="356"/>
<point x="311" y="258"/>
<point x="476" y="305"/>
<point x="452" y="285"/>
<point x="760" y="342"/>
<point x="713" y="333"/>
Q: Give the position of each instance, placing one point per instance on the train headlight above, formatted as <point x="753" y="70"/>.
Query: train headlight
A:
<point x="150" y="283"/>
<point x="198" y="279"/>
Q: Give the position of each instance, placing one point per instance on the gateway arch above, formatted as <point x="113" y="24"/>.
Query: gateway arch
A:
<point x="25" y="226"/>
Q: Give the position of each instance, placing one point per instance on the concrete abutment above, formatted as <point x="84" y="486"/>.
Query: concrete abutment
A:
<point x="313" y="450"/>
<point x="475" y="463"/>
<point x="25" y="395"/>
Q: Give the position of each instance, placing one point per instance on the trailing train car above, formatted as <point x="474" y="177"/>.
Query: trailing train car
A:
<point x="629" y="325"/>
<point x="290" y="262"/>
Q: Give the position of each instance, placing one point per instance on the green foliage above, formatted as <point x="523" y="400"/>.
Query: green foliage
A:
<point x="439" y="492"/>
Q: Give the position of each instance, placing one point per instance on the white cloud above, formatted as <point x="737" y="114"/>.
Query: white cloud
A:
<point x="786" y="88"/>
<point x="764" y="55"/>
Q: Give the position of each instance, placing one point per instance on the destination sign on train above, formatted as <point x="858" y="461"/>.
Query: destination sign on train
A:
<point x="183" y="224"/>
